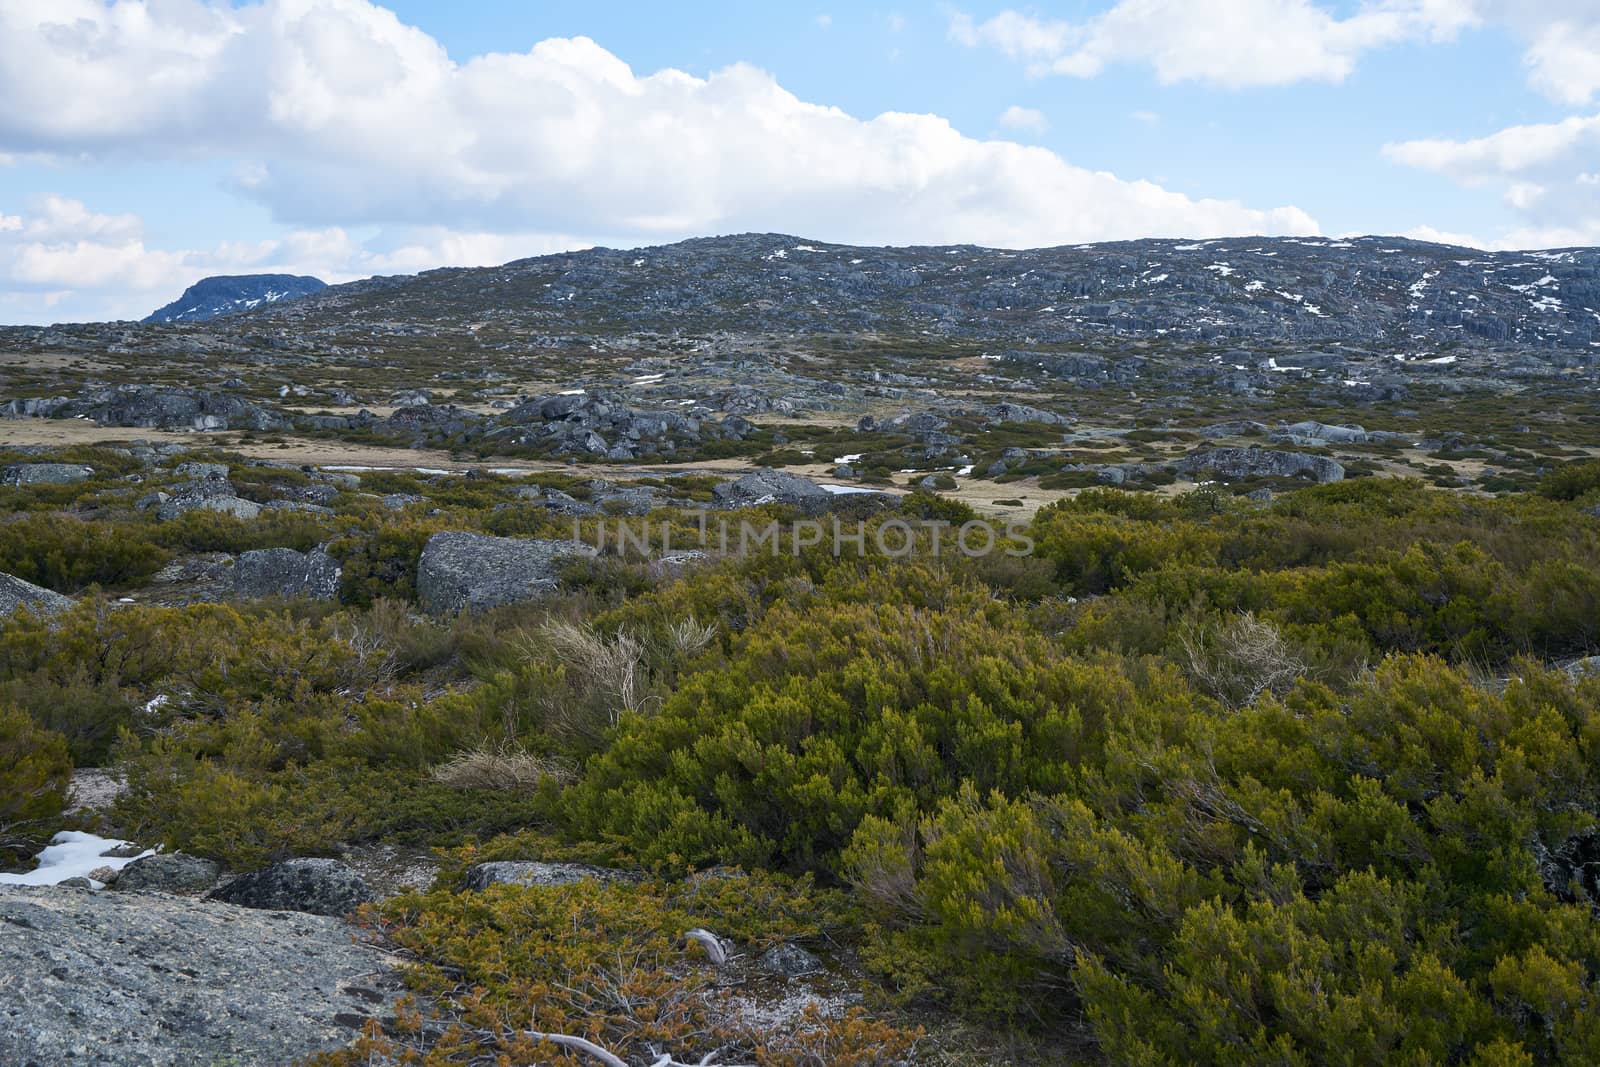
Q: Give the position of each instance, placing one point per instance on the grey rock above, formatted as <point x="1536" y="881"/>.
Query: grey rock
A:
<point x="45" y="474"/>
<point x="313" y="886"/>
<point x="767" y="486"/>
<point x="16" y="594"/>
<point x="209" y="494"/>
<point x="462" y="571"/>
<point x="170" y="872"/>
<point x="173" y="408"/>
<point x="1009" y="412"/>
<point x="1317" y="431"/>
<point x="789" y="960"/>
<point x="147" y="980"/>
<point x="287" y="573"/>
<point x="532" y="872"/>
<point x="202" y="470"/>
<point x="1251" y="462"/>
<point x="1586" y="667"/>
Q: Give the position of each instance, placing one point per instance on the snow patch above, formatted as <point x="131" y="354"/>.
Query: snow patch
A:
<point x="73" y="854"/>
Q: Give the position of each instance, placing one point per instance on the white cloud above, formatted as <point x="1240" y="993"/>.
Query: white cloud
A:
<point x="340" y="115"/>
<point x="825" y="21"/>
<point x="1243" y="43"/>
<point x="61" y="261"/>
<point x="1563" y="60"/>
<point x="1512" y="151"/>
<point x="1543" y="172"/>
<point x="1228" y="43"/>
<point x="1027" y="119"/>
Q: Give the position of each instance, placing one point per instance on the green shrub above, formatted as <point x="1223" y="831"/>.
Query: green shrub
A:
<point x="69" y="554"/>
<point x="35" y="774"/>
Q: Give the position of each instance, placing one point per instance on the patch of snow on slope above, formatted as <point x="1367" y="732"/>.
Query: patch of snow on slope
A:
<point x="73" y="854"/>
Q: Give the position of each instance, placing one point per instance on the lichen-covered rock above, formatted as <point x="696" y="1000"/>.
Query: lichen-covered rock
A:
<point x="169" y="872"/>
<point x="532" y="872"/>
<point x="148" y="980"/>
<point x="173" y="408"/>
<point x="1256" y="462"/>
<point x="314" y="886"/>
<point x="462" y="571"/>
<point x="286" y="573"/>
<point x="788" y="960"/>
<point x="45" y="474"/>
<point x="16" y="594"/>
<point x="768" y="486"/>
<point x="208" y="494"/>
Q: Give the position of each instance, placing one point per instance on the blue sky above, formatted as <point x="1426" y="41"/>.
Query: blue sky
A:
<point x="146" y="144"/>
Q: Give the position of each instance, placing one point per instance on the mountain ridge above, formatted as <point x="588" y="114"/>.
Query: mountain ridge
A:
<point x="228" y="294"/>
<point x="1367" y="290"/>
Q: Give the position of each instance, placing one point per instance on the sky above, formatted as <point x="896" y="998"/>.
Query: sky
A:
<point x="145" y="144"/>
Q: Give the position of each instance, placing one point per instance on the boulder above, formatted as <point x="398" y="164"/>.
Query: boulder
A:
<point x="462" y="571"/>
<point x="169" y="872"/>
<point x="1009" y="412"/>
<point x="532" y="872"/>
<point x="16" y="594"/>
<point x="1255" y="462"/>
<point x="150" y="980"/>
<point x="45" y="474"/>
<point x="1318" y="431"/>
<point x="767" y="486"/>
<point x="172" y="408"/>
<point x="789" y="961"/>
<point x="210" y="494"/>
<point x="286" y="573"/>
<point x="313" y="886"/>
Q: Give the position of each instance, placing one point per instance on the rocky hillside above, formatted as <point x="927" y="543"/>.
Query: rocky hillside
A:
<point x="1366" y="291"/>
<point x="228" y="294"/>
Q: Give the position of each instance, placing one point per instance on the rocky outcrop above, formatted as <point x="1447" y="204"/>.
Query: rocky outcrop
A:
<point x="767" y="486"/>
<point x="1318" y="431"/>
<point x="172" y="408"/>
<point x="146" y="980"/>
<point x="313" y="886"/>
<point x="1262" y="462"/>
<point x="45" y="474"/>
<point x="599" y="424"/>
<point x="169" y="872"/>
<point x="1010" y="412"/>
<point x="462" y="571"/>
<point x="205" y="494"/>
<point x="286" y="573"/>
<point x="531" y="872"/>
<point x="16" y="594"/>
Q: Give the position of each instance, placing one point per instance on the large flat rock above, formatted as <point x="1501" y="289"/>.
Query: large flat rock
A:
<point x="149" y="980"/>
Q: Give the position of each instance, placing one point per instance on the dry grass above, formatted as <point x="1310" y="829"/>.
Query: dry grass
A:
<point x="506" y="769"/>
<point x="1242" y="660"/>
<point x="612" y="668"/>
<point x="687" y="638"/>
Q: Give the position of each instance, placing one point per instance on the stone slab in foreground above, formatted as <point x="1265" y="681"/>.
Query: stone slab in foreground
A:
<point x="148" y="980"/>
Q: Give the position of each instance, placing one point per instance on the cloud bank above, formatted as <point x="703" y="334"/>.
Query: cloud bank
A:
<point x="336" y="116"/>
